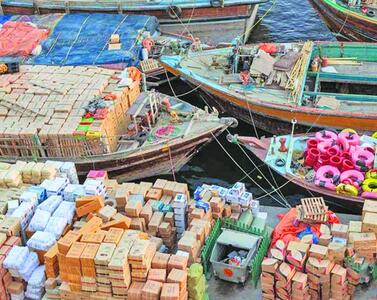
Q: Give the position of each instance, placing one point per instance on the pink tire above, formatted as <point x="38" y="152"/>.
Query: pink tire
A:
<point x="352" y="138"/>
<point x="326" y="136"/>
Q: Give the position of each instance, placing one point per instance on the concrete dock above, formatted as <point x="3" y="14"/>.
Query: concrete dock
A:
<point x="219" y="289"/>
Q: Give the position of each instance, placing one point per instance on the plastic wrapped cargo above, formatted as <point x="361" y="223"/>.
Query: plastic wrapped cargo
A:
<point x="16" y="257"/>
<point x="40" y="191"/>
<point x="69" y="169"/>
<point x="13" y="178"/>
<point x="72" y="191"/>
<point x="56" y="226"/>
<point x="41" y="240"/>
<point x="66" y="210"/>
<point x="31" y="263"/>
<point x="51" y="203"/>
<point x="36" y="282"/>
<point x="39" y="220"/>
<point x="29" y="196"/>
<point x="54" y="186"/>
<point x="25" y="212"/>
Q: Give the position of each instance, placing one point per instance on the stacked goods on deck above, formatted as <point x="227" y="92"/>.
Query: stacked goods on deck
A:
<point x="63" y="111"/>
<point x="107" y="246"/>
<point x="326" y="260"/>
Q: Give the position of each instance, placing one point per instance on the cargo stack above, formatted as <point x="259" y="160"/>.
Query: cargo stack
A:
<point x="269" y="268"/>
<point x="88" y="267"/>
<point x="339" y="284"/>
<point x="180" y="208"/>
<point x="300" y="288"/>
<point x="102" y="260"/>
<point x="140" y="258"/>
<point x="283" y="280"/>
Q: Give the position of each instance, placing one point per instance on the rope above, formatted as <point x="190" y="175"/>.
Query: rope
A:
<point x="341" y="28"/>
<point x="246" y="174"/>
<point x="180" y="95"/>
<point x="249" y="158"/>
<point x="171" y="163"/>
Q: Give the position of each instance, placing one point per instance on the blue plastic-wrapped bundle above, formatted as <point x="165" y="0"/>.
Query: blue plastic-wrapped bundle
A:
<point x="82" y="39"/>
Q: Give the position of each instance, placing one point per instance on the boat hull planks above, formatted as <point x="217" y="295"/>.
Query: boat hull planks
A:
<point x="346" y="25"/>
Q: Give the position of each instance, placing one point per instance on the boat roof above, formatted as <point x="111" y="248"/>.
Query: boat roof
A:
<point x="286" y="77"/>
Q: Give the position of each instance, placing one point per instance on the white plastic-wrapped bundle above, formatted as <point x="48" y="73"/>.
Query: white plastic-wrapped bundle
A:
<point x="36" y="173"/>
<point x="31" y="263"/>
<point x="69" y="169"/>
<point x="39" y="220"/>
<point x="29" y="196"/>
<point x="35" y="287"/>
<point x="51" y="203"/>
<point x="27" y="172"/>
<point x="24" y="212"/>
<point x="4" y="166"/>
<point x="2" y="178"/>
<point x="94" y="187"/>
<point x="16" y="257"/>
<point x="54" y="186"/>
<point x="13" y="178"/>
<point x="41" y="240"/>
<point x="66" y="210"/>
<point x="72" y="191"/>
<point x="56" y="226"/>
<point x="48" y="172"/>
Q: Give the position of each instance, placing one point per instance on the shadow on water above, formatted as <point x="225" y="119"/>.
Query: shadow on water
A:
<point x="290" y="20"/>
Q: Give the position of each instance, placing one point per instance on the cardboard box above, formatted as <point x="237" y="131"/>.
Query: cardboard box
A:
<point x="369" y="222"/>
<point x="318" y="251"/>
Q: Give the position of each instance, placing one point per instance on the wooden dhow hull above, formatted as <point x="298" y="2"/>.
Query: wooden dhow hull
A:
<point x="189" y="19"/>
<point x="160" y="159"/>
<point x="260" y="148"/>
<point x="272" y="117"/>
<point x="345" y="23"/>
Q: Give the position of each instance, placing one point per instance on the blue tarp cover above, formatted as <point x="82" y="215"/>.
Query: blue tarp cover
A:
<point x="4" y="19"/>
<point x="82" y="39"/>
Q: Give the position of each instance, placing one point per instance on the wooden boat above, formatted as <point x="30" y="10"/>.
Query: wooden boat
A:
<point x="319" y="84"/>
<point x="133" y="136"/>
<point x="291" y="163"/>
<point x="349" y="20"/>
<point x="183" y="17"/>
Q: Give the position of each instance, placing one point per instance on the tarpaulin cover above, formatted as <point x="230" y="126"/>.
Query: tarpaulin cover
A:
<point x="83" y="39"/>
<point x="288" y="228"/>
<point x="19" y="39"/>
<point x="4" y="19"/>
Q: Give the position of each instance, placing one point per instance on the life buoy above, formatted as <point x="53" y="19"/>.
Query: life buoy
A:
<point x="370" y="185"/>
<point x="327" y="176"/>
<point x="348" y="130"/>
<point x="324" y="146"/>
<point x="312" y="143"/>
<point x="352" y="137"/>
<point x="333" y="151"/>
<point x="217" y="3"/>
<point x="371" y="13"/>
<point x="326" y="136"/>
<point x="371" y="174"/>
<point x="352" y="177"/>
<point x="174" y="12"/>
<point x="368" y="147"/>
<point x="362" y="159"/>
<point x="148" y="43"/>
<point x="369" y="195"/>
<point x="374" y="135"/>
<point x="134" y="73"/>
<point x="347" y="189"/>
<point x="344" y="144"/>
<point x="347" y="165"/>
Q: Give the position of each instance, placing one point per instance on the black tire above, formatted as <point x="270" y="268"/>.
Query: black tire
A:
<point x="174" y="12"/>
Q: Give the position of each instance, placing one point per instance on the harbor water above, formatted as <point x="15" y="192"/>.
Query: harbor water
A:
<point x="283" y="21"/>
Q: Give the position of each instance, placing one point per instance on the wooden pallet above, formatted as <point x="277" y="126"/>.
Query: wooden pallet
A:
<point x="149" y="65"/>
<point x="313" y="210"/>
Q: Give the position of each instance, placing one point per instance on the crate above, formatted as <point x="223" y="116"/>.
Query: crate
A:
<point x="228" y="241"/>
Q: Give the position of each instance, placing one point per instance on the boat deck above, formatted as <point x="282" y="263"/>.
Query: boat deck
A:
<point x="347" y="84"/>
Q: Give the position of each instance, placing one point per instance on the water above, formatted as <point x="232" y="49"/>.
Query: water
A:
<point x="289" y="20"/>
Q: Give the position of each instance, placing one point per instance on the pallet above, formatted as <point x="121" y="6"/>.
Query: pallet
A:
<point x="149" y="65"/>
<point x="313" y="210"/>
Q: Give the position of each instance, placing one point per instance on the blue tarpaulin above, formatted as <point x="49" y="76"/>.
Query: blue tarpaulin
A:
<point x="83" y="39"/>
<point x="4" y="19"/>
